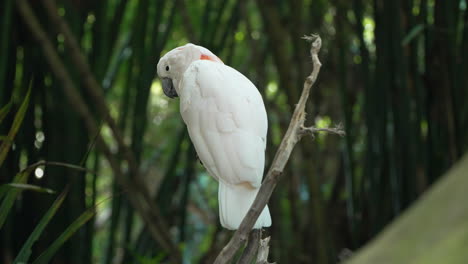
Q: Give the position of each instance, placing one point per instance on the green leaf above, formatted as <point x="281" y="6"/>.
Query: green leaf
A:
<point x="412" y="34"/>
<point x="25" y="252"/>
<point x="5" y="187"/>
<point x="25" y="187"/>
<point x="5" y="147"/>
<point x="47" y="255"/>
<point x="4" y="111"/>
<point x="11" y="194"/>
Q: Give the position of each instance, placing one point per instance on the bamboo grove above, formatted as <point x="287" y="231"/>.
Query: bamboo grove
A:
<point x="394" y="73"/>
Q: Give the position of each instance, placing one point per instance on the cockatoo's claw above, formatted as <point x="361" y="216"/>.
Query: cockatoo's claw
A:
<point x="168" y="88"/>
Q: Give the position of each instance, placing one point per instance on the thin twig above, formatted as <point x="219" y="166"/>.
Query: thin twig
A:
<point x="292" y="136"/>
<point x="91" y="146"/>
<point x="311" y="131"/>
<point x="59" y="164"/>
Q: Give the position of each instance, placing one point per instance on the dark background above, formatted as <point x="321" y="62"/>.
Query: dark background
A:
<point x="394" y="74"/>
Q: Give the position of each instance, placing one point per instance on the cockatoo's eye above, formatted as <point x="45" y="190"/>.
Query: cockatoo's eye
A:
<point x="167" y="68"/>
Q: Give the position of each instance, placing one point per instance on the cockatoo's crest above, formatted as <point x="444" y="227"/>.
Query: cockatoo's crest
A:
<point x="172" y="66"/>
<point x="211" y="58"/>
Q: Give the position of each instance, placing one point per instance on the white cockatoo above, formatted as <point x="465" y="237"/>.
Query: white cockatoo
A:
<point x="227" y="123"/>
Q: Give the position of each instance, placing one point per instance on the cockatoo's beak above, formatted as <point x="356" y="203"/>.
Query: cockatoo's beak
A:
<point x="168" y="88"/>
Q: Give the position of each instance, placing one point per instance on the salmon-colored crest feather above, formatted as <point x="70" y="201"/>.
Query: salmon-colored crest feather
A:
<point x="208" y="57"/>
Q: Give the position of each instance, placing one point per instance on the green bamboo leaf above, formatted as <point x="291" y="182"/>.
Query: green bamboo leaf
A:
<point x="5" y="147"/>
<point x="11" y="194"/>
<point x="412" y="34"/>
<point x="4" y="111"/>
<point x="28" y="187"/>
<point x="25" y="252"/>
<point x="46" y="256"/>
<point x="5" y="187"/>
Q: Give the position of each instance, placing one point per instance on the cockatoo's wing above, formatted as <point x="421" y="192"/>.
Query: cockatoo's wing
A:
<point x="227" y="122"/>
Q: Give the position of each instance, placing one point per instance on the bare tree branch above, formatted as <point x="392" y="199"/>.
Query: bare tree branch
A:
<point x="294" y="133"/>
<point x="138" y="193"/>
<point x="338" y="130"/>
<point x="264" y="251"/>
<point x="252" y="246"/>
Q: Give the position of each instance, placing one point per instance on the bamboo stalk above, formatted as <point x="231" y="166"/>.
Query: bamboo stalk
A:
<point x="137" y="191"/>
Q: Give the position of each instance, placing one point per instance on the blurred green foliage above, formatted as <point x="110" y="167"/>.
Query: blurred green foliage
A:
<point x="394" y="73"/>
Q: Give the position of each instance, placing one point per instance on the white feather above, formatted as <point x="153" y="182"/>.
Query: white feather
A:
<point x="227" y="122"/>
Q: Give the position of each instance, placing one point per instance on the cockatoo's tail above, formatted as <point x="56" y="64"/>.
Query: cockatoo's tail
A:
<point x="227" y="123"/>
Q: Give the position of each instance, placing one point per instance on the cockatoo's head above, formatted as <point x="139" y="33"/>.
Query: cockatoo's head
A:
<point x="171" y="67"/>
